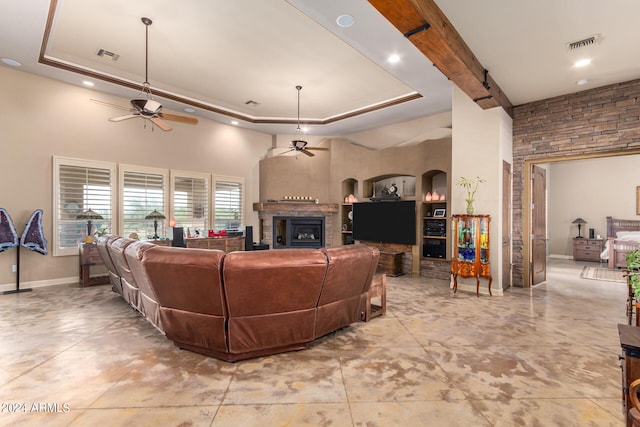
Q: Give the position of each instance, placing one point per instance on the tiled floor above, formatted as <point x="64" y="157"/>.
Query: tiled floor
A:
<point x="541" y="357"/>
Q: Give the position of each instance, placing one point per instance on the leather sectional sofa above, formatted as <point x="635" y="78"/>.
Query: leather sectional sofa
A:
<point x="241" y="305"/>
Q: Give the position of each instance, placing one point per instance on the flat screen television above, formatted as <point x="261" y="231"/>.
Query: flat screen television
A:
<point x="385" y="222"/>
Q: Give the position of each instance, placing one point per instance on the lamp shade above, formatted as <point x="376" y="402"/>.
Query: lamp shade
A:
<point x="89" y="214"/>
<point x="155" y="215"/>
<point x="579" y="221"/>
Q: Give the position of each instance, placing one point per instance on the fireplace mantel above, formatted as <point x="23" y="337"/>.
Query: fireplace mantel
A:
<point x="268" y="210"/>
<point x="296" y="207"/>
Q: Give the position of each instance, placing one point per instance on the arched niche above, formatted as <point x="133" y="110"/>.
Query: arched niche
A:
<point x="406" y="185"/>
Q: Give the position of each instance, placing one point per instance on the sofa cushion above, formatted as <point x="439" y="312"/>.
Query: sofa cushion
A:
<point x="147" y="298"/>
<point x="114" y="276"/>
<point x="349" y="273"/>
<point x="271" y="297"/>
<point x="186" y="279"/>
<point x="256" y="281"/>
<point x="129" y="288"/>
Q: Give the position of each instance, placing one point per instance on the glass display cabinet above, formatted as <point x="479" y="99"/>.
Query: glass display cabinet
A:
<point x="471" y="256"/>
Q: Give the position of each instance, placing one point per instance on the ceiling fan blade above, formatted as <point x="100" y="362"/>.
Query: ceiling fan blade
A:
<point x="120" y="107"/>
<point x="307" y="153"/>
<point x="285" y="152"/>
<point x="317" y="148"/>
<point x="160" y="123"/>
<point x="121" y="118"/>
<point x="176" y="118"/>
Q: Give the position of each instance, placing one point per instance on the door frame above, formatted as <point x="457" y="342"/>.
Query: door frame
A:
<point x="527" y="196"/>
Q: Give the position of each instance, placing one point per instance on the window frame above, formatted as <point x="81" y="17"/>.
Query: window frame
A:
<point x="59" y="161"/>
<point x="193" y="175"/>
<point x="227" y="178"/>
<point x="124" y="168"/>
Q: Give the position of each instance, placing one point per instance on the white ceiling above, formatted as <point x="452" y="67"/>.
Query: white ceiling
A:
<point x="217" y="55"/>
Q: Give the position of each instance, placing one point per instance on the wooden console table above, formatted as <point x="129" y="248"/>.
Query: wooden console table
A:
<point x="89" y="257"/>
<point x="226" y="244"/>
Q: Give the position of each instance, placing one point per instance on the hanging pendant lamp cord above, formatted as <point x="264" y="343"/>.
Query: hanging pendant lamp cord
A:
<point x="299" y="88"/>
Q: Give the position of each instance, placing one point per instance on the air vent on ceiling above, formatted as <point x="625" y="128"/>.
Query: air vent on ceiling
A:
<point x="103" y="53"/>
<point x="586" y="42"/>
<point x="252" y="103"/>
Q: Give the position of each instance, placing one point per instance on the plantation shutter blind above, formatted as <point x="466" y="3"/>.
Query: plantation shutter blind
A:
<point x="142" y="193"/>
<point x="191" y="202"/>
<point x="80" y="188"/>
<point x="228" y="204"/>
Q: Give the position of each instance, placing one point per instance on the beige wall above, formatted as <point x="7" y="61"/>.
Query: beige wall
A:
<point x="322" y="176"/>
<point x="481" y="141"/>
<point x="41" y="118"/>
<point x="591" y="189"/>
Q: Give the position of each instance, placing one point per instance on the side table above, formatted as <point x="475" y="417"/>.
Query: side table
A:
<point x="89" y="257"/>
<point x="378" y="289"/>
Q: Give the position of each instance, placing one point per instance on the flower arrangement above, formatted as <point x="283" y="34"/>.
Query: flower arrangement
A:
<point x="471" y="185"/>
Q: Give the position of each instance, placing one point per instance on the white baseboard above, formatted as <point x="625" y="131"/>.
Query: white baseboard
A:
<point x="40" y="283"/>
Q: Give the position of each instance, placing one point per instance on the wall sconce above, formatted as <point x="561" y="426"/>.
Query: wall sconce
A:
<point x="155" y="216"/>
<point x="579" y="221"/>
<point x="89" y="215"/>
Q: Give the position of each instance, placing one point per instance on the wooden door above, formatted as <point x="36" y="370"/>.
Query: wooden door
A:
<point x="539" y="225"/>
<point x="506" y="225"/>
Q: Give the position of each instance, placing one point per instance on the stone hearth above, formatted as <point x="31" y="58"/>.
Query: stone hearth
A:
<point x="268" y="210"/>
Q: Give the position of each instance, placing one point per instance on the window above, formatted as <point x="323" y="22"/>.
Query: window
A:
<point x="80" y="185"/>
<point x="228" y="202"/>
<point x="190" y="192"/>
<point x="143" y="190"/>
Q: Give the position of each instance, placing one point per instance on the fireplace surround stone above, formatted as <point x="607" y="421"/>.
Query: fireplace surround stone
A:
<point x="268" y="210"/>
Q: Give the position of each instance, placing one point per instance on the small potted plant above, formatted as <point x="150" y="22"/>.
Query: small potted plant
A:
<point x="471" y="185"/>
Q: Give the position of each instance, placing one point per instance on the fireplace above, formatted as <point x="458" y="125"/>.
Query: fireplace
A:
<point x="298" y="232"/>
<point x="268" y="232"/>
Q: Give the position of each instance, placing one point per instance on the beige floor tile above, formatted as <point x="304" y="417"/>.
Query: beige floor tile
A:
<point x="298" y="377"/>
<point x="192" y="416"/>
<point x="298" y="415"/>
<point x="420" y="413"/>
<point x="546" y="412"/>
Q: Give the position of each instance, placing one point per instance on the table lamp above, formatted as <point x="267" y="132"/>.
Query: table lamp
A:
<point x="155" y="216"/>
<point x="89" y="215"/>
<point x="579" y="221"/>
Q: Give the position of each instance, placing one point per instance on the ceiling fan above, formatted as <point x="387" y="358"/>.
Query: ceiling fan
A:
<point x="147" y="107"/>
<point x="299" y="145"/>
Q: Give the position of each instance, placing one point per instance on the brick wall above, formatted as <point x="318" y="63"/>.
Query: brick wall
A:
<point x="601" y="120"/>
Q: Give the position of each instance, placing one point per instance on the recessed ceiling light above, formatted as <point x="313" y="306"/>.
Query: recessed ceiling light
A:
<point x="11" y="62"/>
<point x="189" y="110"/>
<point x="88" y="83"/>
<point x="582" y="82"/>
<point x="235" y="122"/>
<point x="345" y="21"/>
<point x="394" y="58"/>
<point x="582" y="63"/>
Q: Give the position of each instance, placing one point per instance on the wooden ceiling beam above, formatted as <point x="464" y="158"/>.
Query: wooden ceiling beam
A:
<point x="424" y="24"/>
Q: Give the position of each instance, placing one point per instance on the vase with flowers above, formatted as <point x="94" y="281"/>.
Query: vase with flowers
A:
<point x="471" y="185"/>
